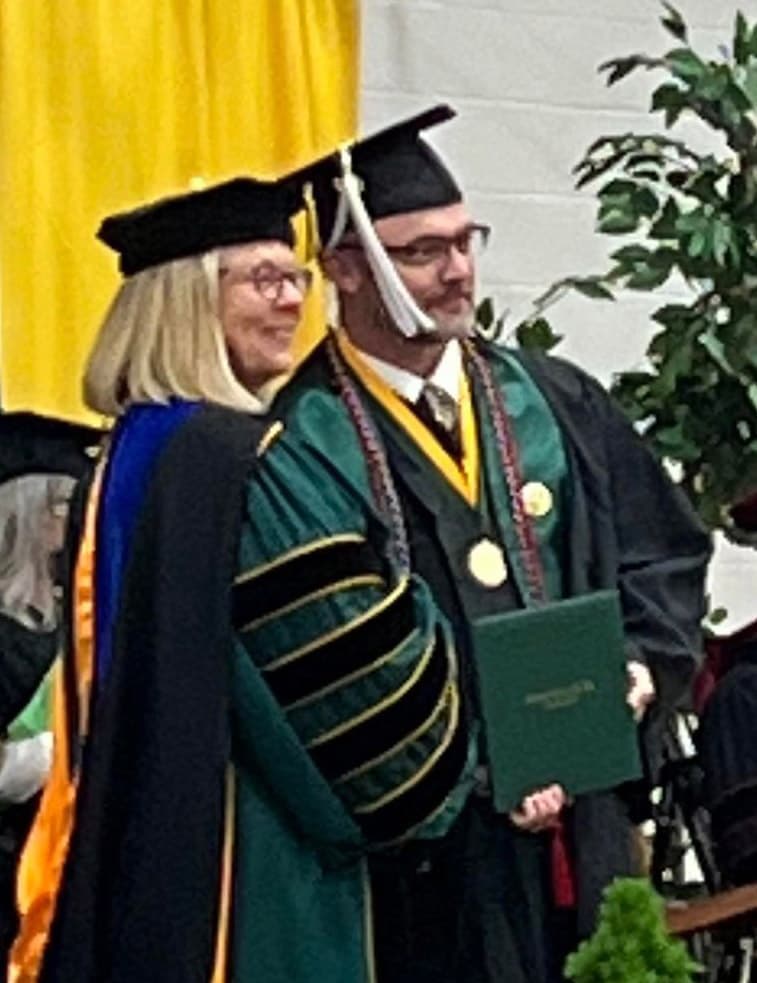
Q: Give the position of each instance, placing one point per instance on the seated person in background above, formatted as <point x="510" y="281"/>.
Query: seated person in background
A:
<point x="32" y="524"/>
<point x="727" y="743"/>
<point x="33" y="510"/>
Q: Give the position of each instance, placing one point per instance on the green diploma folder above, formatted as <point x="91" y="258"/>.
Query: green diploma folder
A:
<point x="553" y="694"/>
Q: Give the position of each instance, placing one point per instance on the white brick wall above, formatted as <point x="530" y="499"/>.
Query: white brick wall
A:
<point x="522" y="75"/>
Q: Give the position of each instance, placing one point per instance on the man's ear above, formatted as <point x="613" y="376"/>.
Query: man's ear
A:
<point x="345" y="268"/>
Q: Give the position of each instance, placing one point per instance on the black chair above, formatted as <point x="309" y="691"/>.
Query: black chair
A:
<point x="707" y="808"/>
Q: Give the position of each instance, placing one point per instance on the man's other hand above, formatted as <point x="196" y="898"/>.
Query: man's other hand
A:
<point x="641" y="689"/>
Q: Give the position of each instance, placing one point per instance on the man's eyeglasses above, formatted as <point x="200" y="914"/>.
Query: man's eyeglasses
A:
<point x="269" y="280"/>
<point x="429" y="251"/>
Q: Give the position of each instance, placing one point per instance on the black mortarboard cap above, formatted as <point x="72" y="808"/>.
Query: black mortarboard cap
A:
<point x="32" y="444"/>
<point x="399" y="170"/>
<point x="237" y="211"/>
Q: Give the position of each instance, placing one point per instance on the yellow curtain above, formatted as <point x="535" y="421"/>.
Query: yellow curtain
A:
<point x="104" y="105"/>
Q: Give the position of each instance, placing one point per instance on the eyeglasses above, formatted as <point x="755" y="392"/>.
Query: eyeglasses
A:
<point x="427" y="251"/>
<point x="269" y="280"/>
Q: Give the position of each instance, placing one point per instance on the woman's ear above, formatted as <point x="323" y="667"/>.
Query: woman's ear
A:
<point x="345" y="268"/>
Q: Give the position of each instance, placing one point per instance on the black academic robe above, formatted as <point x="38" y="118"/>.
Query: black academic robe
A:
<point x="140" y="893"/>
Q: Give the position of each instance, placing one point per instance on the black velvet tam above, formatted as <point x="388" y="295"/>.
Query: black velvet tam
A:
<point x="31" y="444"/>
<point x="235" y="212"/>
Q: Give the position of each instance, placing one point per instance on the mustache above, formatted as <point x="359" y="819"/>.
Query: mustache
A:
<point x="452" y="293"/>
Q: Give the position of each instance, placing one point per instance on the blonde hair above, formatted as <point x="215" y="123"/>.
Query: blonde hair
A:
<point x="162" y="337"/>
<point x="28" y="505"/>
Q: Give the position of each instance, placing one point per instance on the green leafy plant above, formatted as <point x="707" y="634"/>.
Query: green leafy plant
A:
<point x="691" y="216"/>
<point x="630" y="944"/>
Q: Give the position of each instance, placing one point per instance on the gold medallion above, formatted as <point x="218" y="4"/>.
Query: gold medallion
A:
<point x="537" y="499"/>
<point x="486" y="562"/>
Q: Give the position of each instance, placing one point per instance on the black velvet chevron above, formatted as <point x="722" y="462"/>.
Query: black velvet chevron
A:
<point x="294" y="579"/>
<point x="389" y="726"/>
<point x="421" y="800"/>
<point x="345" y="654"/>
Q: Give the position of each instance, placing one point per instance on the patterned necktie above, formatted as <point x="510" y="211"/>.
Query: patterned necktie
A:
<point x="439" y="411"/>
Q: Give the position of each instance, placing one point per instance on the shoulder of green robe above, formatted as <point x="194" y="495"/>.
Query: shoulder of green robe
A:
<point x="589" y="416"/>
<point x="314" y="437"/>
<point x="572" y="384"/>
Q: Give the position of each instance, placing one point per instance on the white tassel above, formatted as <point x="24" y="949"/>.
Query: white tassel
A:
<point x="409" y="319"/>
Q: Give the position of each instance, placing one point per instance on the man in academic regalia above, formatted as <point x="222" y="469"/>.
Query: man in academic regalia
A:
<point x="504" y="480"/>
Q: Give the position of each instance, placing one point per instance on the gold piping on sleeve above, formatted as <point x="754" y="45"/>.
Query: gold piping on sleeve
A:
<point x="437" y="811"/>
<point x="365" y="580"/>
<point x="353" y="677"/>
<point x="296" y="552"/>
<point x="411" y="680"/>
<point x="223" y="933"/>
<point x="410" y="833"/>
<point x="419" y="731"/>
<point x="425" y="768"/>
<point x="273" y="433"/>
<point x="335" y="633"/>
<point x="369" y="942"/>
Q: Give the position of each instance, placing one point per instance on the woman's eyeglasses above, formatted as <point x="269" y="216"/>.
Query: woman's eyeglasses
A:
<point x="269" y="280"/>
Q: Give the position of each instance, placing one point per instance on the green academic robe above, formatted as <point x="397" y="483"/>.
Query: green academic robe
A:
<point x="571" y="442"/>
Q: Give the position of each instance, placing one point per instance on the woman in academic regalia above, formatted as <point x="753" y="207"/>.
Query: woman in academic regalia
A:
<point x="205" y="315"/>
<point x="212" y="544"/>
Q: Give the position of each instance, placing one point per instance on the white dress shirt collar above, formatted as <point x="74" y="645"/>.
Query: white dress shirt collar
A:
<point x="409" y="386"/>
